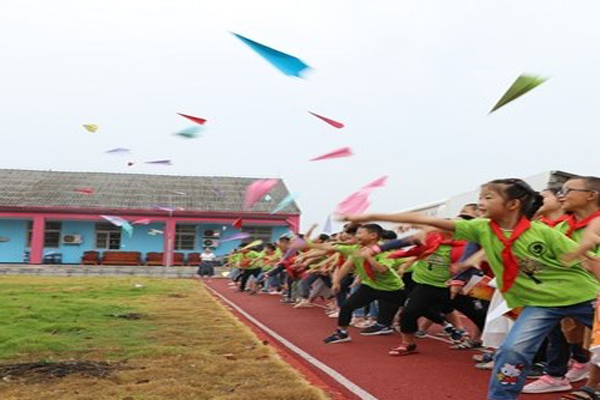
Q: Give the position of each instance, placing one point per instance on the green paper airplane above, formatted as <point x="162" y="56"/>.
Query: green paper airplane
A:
<point x="522" y="85"/>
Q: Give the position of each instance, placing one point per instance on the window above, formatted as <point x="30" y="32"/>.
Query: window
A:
<point x="185" y="237"/>
<point x="108" y="236"/>
<point x="51" y="233"/>
<point x="259" y="232"/>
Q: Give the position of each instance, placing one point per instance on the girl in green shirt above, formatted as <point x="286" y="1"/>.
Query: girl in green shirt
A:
<point x="526" y="258"/>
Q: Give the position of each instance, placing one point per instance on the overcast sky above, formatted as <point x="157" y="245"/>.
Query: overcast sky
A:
<point x="412" y="80"/>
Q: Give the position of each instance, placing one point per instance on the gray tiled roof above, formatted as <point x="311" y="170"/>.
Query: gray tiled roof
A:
<point x="26" y="188"/>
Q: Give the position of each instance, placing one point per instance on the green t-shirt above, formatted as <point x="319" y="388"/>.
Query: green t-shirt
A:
<point x="563" y="227"/>
<point x="387" y="281"/>
<point x="253" y="255"/>
<point x="543" y="279"/>
<point x="235" y="259"/>
<point x="347" y="249"/>
<point x="435" y="269"/>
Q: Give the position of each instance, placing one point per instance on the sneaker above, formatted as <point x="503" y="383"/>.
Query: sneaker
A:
<point x="578" y="372"/>
<point x="548" y="384"/>
<point x="454" y="334"/>
<point x="338" y="337"/>
<point x="537" y="371"/>
<point x="377" y="330"/>
<point x="287" y="301"/>
<point x="485" y="365"/>
<point x="483" y="358"/>
<point x="364" y="324"/>
<point x="303" y="304"/>
<point x="420" y="334"/>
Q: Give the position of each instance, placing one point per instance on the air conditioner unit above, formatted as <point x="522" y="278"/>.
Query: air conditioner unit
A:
<point x="211" y="233"/>
<point x="72" y="239"/>
<point x="213" y="243"/>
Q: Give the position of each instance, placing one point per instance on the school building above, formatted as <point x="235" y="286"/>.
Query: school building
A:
<point x="51" y="217"/>
<point x="450" y="206"/>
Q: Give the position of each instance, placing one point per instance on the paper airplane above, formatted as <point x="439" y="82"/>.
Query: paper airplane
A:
<point x="143" y="221"/>
<point x="197" y="120"/>
<point x="117" y="221"/>
<point x="127" y="228"/>
<point x="356" y="203"/>
<point x="88" y="191"/>
<point x="331" y="122"/>
<point x="257" y="190"/>
<point x="159" y="162"/>
<point x="118" y="151"/>
<point x="285" y="202"/>
<point x="253" y="244"/>
<point x="90" y="127"/>
<point x="377" y="183"/>
<point x="237" y="236"/>
<point x="328" y="227"/>
<point x="190" y="133"/>
<point x="522" y="85"/>
<point x="238" y="224"/>
<point x="155" y="232"/>
<point x="343" y="152"/>
<point x="130" y="163"/>
<point x="287" y="64"/>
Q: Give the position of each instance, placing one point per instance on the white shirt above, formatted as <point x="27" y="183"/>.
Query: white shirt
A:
<point x="208" y="257"/>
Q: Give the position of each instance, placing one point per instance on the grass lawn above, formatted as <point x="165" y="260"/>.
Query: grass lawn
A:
<point x="187" y="346"/>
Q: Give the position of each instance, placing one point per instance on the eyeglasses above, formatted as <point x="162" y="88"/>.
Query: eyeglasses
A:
<point x="566" y="191"/>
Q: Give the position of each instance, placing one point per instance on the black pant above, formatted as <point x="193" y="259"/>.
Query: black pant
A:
<point x="424" y="301"/>
<point x="389" y="302"/>
<point x="559" y="353"/>
<point x="472" y="308"/>
<point x="247" y="274"/>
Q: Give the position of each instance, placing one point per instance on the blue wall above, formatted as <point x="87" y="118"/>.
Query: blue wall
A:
<point x="16" y="230"/>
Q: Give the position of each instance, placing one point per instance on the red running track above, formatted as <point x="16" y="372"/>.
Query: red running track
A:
<point x="436" y="372"/>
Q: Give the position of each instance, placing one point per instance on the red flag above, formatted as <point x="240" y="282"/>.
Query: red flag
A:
<point x="197" y="120"/>
<point x="331" y="122"/>
<point x="238" y="223"/>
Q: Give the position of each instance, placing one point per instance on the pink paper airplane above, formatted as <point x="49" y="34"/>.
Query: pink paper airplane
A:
<point x="356" y="203"/>
<point x="143" y="221"/>
<point x="88" y="191"/>
<point x="197" y="120"/>
<point x="343" y="152"/>
<point x="331" y="122"/>
<point x="376" y="183"/>
<point x="257" y="190"/>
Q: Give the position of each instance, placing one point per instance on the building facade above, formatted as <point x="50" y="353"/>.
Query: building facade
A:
<point x="55" y="217"/>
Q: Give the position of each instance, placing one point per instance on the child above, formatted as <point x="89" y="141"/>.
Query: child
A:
<point x="526" y="258"/>
<point x="379" y="281"/>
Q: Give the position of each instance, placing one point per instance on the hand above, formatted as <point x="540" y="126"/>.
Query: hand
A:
<point x="454" y="290"/>
<point x="366" y="252"/>
<point x="335" y="288"/>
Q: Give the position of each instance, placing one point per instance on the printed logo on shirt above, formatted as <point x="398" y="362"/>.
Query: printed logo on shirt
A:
<point x="538" y="249"/>
<point x="530" y="267"/>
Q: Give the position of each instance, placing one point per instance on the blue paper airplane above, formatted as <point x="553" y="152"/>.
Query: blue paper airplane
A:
<point x="287" y="64"/>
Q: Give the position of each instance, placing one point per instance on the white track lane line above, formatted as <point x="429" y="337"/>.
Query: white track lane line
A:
<point x="339" y="378"/>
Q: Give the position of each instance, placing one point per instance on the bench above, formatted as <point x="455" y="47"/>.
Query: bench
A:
<point x="155" y="258"/>
<point x="90" y="258"/>
<point x="122" y="258"/>
<point x="194" y="259"/>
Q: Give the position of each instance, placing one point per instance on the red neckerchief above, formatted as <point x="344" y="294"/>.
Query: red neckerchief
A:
<point x="511" y="266"/>
<point x="552" y="222"/>
<point x="369" y="270"/>
<point x="433" y="241"/>
<point x="576" y="225"/>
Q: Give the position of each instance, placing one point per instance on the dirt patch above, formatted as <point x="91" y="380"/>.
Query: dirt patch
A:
<point x="42" y="371"/>
<point x="130" y="316"/>
<point x="177" y="295"/>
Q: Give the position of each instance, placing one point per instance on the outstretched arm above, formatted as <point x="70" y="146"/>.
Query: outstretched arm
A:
<point x="589" y="240"/>
<point x="406" y="218"/>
